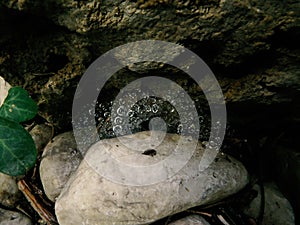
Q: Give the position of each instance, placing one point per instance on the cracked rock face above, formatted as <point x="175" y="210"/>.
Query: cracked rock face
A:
<point x="216" y="20"/>
<point x="91" y="198"/>
<point x="252" y="47"/>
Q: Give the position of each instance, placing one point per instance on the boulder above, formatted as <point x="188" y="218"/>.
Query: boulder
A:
<point x="252" y="47"/>
<point x="220" y="24"/>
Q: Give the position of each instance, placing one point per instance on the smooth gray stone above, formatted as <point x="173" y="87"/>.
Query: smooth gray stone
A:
<point x="91" y="198"/>
<point x="60" y="159"/>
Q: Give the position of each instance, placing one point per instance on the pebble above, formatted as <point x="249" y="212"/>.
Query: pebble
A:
<point x="9" y="192"/>
<point x="59" y="160"/>
<point x="277" y="210"/>
<point x="13" y="218"/>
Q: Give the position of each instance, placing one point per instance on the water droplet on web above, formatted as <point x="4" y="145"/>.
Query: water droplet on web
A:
<point x="73" y="152"/>
<point x="117" y="129"/>
<point x="201" y="119"/>
<point x="118" y="120"/>
<point x="179" y="128"/>
<point x="148" y="108"/>
<point x="136" y="108"/>
<point x="192" y="128"/>
<point x="130" y="113"/>
<point x="121" y="111"/>
<point x="155" y="108"/>
<point x="106" y="114"/>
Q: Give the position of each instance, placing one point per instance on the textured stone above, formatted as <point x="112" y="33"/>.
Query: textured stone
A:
<point x="60" y="158"/>
<point x="13" y="218"/>
<point x="91" y="198"/>
<point x="9" y="192"/>
<point x="278" y="210"/>
<point x="123" y="21"/>
<point x="252" y="47"/>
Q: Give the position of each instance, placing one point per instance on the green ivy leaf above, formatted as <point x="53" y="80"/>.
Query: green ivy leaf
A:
<point x="18" y="106"/>
<point x="17" y="149"/>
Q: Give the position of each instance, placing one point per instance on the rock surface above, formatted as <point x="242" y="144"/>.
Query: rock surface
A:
<point x="252" y="47"/>
<point x="278" y="210"/>
<point x="91" y="198"/>
<point x="60" y="159"/>
<point x="191" y="220"/>
<point x="9" y="192"/>
<point x="13" y="218"/>
<point x="124" y="21"/>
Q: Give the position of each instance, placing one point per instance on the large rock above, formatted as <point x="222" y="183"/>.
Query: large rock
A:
<point x="60" y="159"/>
<point x="91" y="198"/>
<point x="251" y="46"/>
<point x="220" y="22"/>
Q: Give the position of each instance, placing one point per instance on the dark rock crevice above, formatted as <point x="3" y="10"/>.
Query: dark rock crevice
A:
<point x="252" y="47"/>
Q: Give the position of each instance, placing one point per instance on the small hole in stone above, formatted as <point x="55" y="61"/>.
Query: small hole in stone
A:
<point x="150" y="152"/>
